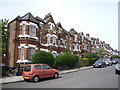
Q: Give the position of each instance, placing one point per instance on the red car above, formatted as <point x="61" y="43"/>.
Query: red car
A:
<point x="36" y="71"/>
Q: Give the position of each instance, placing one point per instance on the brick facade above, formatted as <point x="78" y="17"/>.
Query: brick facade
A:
<point x="29" y="34"/>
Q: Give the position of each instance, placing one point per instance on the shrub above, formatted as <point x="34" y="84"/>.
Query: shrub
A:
<point x="87" y="61"/>
<point x="84" y="62"/>
<point x="91" y="55"/>
<point x="92" y="61"/>
<point x="66" y="59"/>
<point x="115" y="56"/>
<point x="43" y="57"/>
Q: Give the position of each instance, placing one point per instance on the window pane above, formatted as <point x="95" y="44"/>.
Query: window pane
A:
<point x="46" y="67"/>
<point x="22" y="53"/>
<point x="23" y="29"/>
<point x="38" y="67"/>
<point x="31" y="51"/>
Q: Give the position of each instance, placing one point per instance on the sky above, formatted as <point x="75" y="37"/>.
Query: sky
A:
<point x="99" y="18"/>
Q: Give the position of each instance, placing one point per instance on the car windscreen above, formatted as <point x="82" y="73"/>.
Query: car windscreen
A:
<point x="27" y="68"/>
<point x="97" y="62"/>
<point x="118" y="61"/>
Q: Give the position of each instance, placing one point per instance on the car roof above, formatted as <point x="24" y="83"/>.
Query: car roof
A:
<point x="34" y="64"/>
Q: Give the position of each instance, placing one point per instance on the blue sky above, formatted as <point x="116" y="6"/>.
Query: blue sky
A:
<point x="99" y="18"/>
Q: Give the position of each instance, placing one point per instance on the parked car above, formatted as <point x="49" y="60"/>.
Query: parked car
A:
<point x="108" y="62"/>
<point x="114" y="61"/>
<point x="117" y="68"/>
<point x="37" y="71"/>
<point x="99" y="63"/>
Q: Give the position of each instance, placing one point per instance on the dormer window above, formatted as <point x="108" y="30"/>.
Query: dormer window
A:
<point x="51" y="25"/>
<point x="60" y="29"/>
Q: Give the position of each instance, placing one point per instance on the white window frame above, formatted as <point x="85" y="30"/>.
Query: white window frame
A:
<point x="48" y="39"/>
<point x="31" y="52"/>
<point x="22" y="53"/>
<point x="23" y="29"/>
<point x="32" y="31"/>
<point x="54" y="40"/>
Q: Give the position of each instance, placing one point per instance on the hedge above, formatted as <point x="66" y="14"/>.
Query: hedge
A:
<point x="43" y="57"/>
<point x="87" y="61"/>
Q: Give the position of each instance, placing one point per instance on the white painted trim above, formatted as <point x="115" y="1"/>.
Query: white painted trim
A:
<point x="54" y="51"/>
<point x="45" y="45"/>
<point x="28" y="36"/>
<point x="23" y="61"/>
<point x="22" y="45"/>
<point x="24" y="35"/>
<point x="42" y="49"/>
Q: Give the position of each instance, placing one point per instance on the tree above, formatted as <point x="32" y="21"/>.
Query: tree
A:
<point x="3" y="35"/>
<point x="43" y="57"/>
<point x="101" y="53"/>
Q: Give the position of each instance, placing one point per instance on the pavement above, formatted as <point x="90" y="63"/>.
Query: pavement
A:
<point x="20" y="78"/>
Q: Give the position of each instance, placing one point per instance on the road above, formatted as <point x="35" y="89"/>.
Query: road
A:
<point x="91" y="78"/>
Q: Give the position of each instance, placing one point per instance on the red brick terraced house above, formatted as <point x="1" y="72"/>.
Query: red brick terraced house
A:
<point x="29" y="34"/>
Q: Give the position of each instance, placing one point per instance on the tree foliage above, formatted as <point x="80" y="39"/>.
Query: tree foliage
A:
<point x="3" y="35"/>
<point x="101" y="53"/>
<point x="43" y="57"/>
<point x="67" y="59"/>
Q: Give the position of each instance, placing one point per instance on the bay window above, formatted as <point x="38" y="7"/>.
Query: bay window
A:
<point x="31" y="51"/>
<point x="54" y="40"/>
<point x="23" y="29"/>
<point x="32" y="31"/>
<point x="22" y="53"/>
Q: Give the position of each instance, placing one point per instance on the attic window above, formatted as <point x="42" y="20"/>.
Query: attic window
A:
<point x="51" y="25"/>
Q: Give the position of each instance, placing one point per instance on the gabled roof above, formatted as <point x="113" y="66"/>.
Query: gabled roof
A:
<point x="29" y="17"/>
<point x="59" y="25"/>
<point x="73" y="32"/>
<point x="49" y="18"/>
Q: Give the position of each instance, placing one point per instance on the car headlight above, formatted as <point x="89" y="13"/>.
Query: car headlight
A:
<point x="117" y="67"/>
<point x="99" y="64"/>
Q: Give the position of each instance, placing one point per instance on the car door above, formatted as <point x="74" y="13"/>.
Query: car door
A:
<point x="47" y="71"/>
<point x="38" y="70"/>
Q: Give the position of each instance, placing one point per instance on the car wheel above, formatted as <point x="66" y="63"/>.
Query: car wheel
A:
<point x="116" y="72"/>
<point x="56" y="75"/>
<point x="36" y="79"/>
<point x="26" y="80"/>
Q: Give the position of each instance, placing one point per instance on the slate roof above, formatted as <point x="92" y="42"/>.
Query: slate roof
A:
<point x="29" y="17"/>
<point x="40" y="19"/>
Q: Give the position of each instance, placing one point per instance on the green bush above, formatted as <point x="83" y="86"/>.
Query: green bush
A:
<point x="91" y="55"/>
<point x="115" y="56"/>
<point x="92" y="61"/>
<point x="87" y="61"/>
<point x="84" y="62"/>
<point x="66" y="59"/>
<point x="43" y="57"/>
